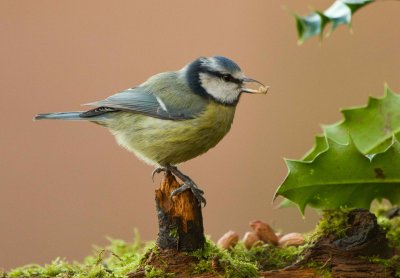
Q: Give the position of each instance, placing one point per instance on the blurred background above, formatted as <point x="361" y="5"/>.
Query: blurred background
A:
<point x="65" y="186"/>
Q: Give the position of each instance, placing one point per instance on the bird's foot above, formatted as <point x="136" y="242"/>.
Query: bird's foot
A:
<point x="188" y="183"/>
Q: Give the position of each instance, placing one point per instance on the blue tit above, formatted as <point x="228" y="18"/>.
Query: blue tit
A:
<point x="173" y="116"/>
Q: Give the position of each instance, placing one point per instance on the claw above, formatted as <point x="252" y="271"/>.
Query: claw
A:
<point x="179" y="190"/>
<point x="198" y="193"/>
<point x="157" y="171"/>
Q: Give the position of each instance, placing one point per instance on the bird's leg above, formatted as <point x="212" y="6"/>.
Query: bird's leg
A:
<point x="188" y="183"/>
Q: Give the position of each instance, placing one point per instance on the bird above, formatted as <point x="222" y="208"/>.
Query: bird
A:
<point x="173" y="116"/>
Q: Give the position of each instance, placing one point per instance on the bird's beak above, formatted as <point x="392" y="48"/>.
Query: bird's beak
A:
<point x="262" y="90"/>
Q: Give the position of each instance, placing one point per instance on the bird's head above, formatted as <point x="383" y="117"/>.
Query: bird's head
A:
<point x="219" y="78"/>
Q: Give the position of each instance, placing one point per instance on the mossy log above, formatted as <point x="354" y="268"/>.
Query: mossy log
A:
<point x="338" y="255"/>
<point x="347" y="254"/>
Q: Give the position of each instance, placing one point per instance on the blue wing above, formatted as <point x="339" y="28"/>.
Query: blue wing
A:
<point x="164" y="96"/>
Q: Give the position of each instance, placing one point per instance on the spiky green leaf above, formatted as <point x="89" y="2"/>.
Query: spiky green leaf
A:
<point x="320" y="146"/>
<point x="343" y="176"/>
<point x="340" y="13"/>
<point x="337" y="171"/>
<point x="371" y="127"/>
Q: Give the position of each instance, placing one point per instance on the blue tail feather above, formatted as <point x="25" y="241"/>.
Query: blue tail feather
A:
<point x="69" y="116"/>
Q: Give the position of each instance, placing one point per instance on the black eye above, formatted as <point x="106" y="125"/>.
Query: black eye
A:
<point x="227" y="78"/>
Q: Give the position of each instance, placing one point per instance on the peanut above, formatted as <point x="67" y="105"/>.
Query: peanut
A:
<point x="264" y="232"/>
<point x="251" y="239"/>
<point x="292" y="239"/>
<point x="228" y="240"/>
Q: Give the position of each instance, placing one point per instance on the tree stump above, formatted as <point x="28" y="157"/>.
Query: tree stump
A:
<point x="180" y="224"/>
<point x="180" y="220"/>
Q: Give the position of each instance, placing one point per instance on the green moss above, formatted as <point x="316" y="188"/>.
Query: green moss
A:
<point x="113" y="261"/>
<point x="153" y="272"/>
<point x="119" y="258"/>
<point x="392" y="229"/>
<point x="322" y="269"/>
<point x="390" y="226"/>
<point x="390" y="264"/>
<point x="333" y="222"/>
<point x="267" y="257"/>
<point x="226" y="262"/>
<point x="241" y="262"/>
<point x="61" y="268"/>
<point x="173" y="233"/>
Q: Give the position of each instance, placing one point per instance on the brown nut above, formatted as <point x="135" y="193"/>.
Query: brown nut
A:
<point x="228" y="240"/>
<point x="251" y="239"/>
<point x="292" y="239"/>
<point x="264" y="232"/>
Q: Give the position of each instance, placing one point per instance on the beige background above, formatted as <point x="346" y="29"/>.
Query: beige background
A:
<point x="65" y="186"/>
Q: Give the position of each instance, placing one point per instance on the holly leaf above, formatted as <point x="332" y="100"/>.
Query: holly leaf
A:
<point x="348" y="165"/>
<point x="371" y="127"/>
<point x="340" y="13"/>
<point x="320" y="146"/>
<point x="343" y="176"/>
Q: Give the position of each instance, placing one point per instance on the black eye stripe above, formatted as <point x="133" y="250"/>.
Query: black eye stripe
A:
<point x="222" y="75"/>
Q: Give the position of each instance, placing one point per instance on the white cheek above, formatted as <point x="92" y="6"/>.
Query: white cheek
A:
<point x="219" y="89"/>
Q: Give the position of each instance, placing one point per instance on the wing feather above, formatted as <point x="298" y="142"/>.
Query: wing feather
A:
<point x="163" y="96"/>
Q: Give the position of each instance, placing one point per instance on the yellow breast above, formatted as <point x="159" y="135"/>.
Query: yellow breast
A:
<point x="164" y="142"/>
